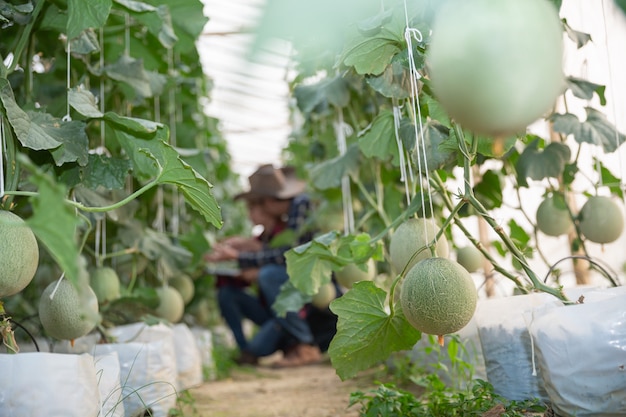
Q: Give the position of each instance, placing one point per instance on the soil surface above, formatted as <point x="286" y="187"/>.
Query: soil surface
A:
<point x="307" y="391"/>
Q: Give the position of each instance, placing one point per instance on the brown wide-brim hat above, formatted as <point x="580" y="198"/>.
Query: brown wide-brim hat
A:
<point x="268" y="181"/>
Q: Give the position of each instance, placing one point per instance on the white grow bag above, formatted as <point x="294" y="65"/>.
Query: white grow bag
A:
<point x="507" y="347"/>
<point x="48" y="384"/>
<point x="148" y="374"/>
<point x="204" y="342"/>
<point x="580" y="351"/>
<point x="188" y="358"/>
<point x="108" y="374"/>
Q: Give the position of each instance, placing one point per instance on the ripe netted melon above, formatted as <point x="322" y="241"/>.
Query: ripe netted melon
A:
<point x="470" y="258"/>
<point x="184" y="285"/>
<point x="438" y="296"/>
<point x="71" y="313"/>
<point x="601" y="220"/>
<point x="324" y="296"/>
<point x="19" y="254"/>
<point x="105" y="283"/>
<point x="496" y="66"/>
<point x="553" y="218"/>
<point x="411" y="236"/>
<point x="171" y="305"/>
<point x="351" y="273"/>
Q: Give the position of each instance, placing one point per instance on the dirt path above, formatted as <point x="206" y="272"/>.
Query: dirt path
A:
<point x="310" y="391"/>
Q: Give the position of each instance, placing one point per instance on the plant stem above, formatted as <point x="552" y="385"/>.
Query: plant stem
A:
<point x="25" y="37"/>
<point x="474" y="202"/>
<point x="375" y="204"/>
<point x="515" y="252"/>
<point x="438" y="184"/>
<point x="102" y="209"/>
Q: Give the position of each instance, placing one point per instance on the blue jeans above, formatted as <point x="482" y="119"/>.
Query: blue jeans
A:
<point x="235" y="304"/>
<point x="277" y="332"/>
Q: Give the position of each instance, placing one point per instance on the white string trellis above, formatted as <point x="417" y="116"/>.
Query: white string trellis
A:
<point x="346" y="193"/>
<point x="397" y="117"/>
<point x="101" y="232"/>
<point x="2" y="152"/>
<point x="613" y="101"/>
<point x="171" y="109"/>
<point x="411" y="34"/>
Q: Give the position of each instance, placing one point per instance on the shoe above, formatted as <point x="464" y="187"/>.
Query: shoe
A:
<point x="247" y="358"/>
<point x="300" y="355"/>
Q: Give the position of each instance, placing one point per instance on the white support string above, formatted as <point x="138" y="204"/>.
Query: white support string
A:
<point x="346" y="193"/>
<point x="613" y="101"/>
<point x="101" y="95"/>
<point x="56" y="287"/>
<point x="67" y="117"/>
<point x="403" y="164"/>
<point x="171" y="108"/>
<point x="409" y="35"/>
<point x="2" y="151"/>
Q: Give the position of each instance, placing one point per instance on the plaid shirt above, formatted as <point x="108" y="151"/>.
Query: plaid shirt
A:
<point x="297" y="218"/>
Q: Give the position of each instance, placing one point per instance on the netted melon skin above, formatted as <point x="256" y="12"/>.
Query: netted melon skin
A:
<point x="438" y="296"/>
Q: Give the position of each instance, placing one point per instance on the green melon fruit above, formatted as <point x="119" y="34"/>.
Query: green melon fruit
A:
<point x="470" y="258"/>
<point x="411" y="236"/>
<point x="171" y="305"/>
<point x="105" y="283"/>
<point x="438" y="296"/>
<point x="553" y="218"/>
<point x="351" y="273"/>
<point x="601" y="220"/>
<point x="71" y="313"/>
<point x="324" y="296"/>
<point x="19" y="254"/>
<point x="184" y="285"/>
<point x="496" y="66"/>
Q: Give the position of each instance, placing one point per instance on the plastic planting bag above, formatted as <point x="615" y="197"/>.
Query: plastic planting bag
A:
<point x="204" y="342"/>
<point x="580" y="351"/>
<point x="108" y="374"/>
<point x="188" y="359"/>
<point x="148" y="373"/>
<point x="48" y="384"/>
<point x="507" y="347"/>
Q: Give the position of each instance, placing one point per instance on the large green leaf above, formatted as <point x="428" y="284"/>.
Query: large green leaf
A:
<point x="71" y="135"/>
<point x="372" y="51"/>
<point x="30" y="134"/>
<point x="83" y="14"/>
<point x="609" y="179"/>
<point x="596" y="129"/>
<point x="188" y="21"/>
<point x="489" y="190"/>
<point x="366" y="333"/>
<point x="328" y="91"/>
<point x="329" y="173"/>
<point x="54" y="221"/>
<point x="104" y="171"/>
<point x="154" y="157"/>
<point x="432" y="151"/>
<point x="371" y="55"/>
<point x="539" y="164"/>
<point x="131" y="71"/>
<point x="289" y="299"/>
<point x="156" y="19"/>
<point x="395" y="81"/>
<point x="310" y="265"/>
<point x="380" y="140"/>
<point x="584" y="89"/>
<point x="84" y="102"/>
<point x="579" y="38"/>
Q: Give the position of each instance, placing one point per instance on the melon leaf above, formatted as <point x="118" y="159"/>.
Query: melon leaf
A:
<point x="366" y="333"/>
